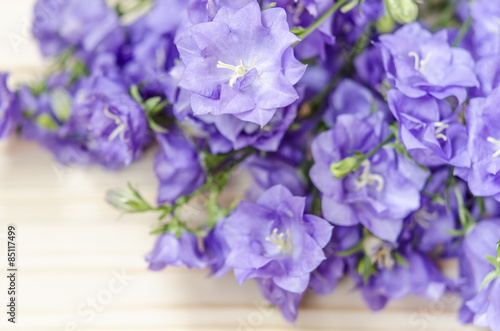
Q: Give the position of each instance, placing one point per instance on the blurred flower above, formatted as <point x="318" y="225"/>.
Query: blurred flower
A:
<point x="175" y="251"/>
<point x="177" y="166"/>
<point x="9" y="108"/>
<point x="90" y="27"/>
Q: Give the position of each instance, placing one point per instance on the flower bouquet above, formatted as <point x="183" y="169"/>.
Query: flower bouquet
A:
<point x="369" y="130"/>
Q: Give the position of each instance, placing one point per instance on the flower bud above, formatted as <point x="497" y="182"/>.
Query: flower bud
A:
<point x="402" y="11"/>
<point x="385" y="24"/>
<point x="60" y="101"/>
<point x="126" y="200"/>
<point x="47" y="122"/>
<point x="344" y="167"/>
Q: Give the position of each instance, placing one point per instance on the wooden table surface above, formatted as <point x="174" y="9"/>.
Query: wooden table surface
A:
<point x="81" y="266"/>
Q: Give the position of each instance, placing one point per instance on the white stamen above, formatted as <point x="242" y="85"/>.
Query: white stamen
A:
<point x="496" y="142"/>
<point x="120" y="129"/>
<point x="423" y="217"/>
<point x="420" y="64"/>
<point x="379" y="252"/>
<point x="277" y="238"/>
<point x="240" y="69"/>
<point x="161" y="57"/>
<point x="367" y="178"/>
<point x="297" y="11"/>
<point x="440" y="127"/>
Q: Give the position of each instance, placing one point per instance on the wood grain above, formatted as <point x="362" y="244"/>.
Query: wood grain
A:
<point x="72" y="245"/>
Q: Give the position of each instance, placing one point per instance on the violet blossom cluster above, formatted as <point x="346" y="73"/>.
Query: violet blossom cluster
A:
<point x="372" y="140"/>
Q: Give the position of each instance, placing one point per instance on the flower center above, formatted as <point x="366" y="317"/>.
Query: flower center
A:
<point x="278" y="238"/>
<point x="440" y="127"/>
<point x="120" y="129"/>
<point x="496" y="142"/>
<point x="420" y="64"/>
<point x="368" y="178"/>
<point x="296" y="10"/>
<point x="240" y="70"/>
<point x="379" y="252"/>
<point x="423" y="217"/>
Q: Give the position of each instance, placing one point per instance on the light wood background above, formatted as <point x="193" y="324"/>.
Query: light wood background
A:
<point x="71" y="245"/>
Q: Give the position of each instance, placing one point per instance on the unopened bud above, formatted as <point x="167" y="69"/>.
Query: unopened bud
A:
<point x="126" y="201"/>
<point x="402" y="11"/>
<point x="343" y="168"/>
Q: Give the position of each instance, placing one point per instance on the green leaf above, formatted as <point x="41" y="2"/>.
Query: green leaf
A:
<point x="367" y="269"/>
<point x="360" y="8"/>
<point x="456" y="233"/>
<point x="349" y="6"/>
<point x="60" y="101"/>
<point x="136" y="95"/>
<point x="156" y="127"/>
<point x="344" y="167"/>
<point x="385" y="24"/>
<point x="402" y="11"/>
<point x="79" y="70"/>
<point x="490" y="277"/>
<point x="151" y="103"/>
<point x="298" y="30"/>
<point x="353" y="250"/>
<point x="159" y="107"/>
<point x="494" y="261"/>
<point x="38" y="88"/>
<point x="127" y="200"/>
<point x="47" y="122"/>
<point x="271" y="5"/>
<point x="400" y="259"/>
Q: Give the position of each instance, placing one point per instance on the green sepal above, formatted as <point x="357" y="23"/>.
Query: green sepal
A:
<point x="489" y="278"/>
<point x="400" y="259"/>
<point x="155" y="126"/>
<point x="349" y="6"/>
<point x="271" y="5"/>
<point x="353" y="250"/>
<point x="127" y="200"/>
<point x="47" y="122"/>
<point x="402" y="11"/>
<point x="344" y="167"/>
<point x="60" y="101"/>
<point x="297" y="30"/>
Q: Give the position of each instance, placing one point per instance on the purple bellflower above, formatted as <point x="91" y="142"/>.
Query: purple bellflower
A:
<point x="432" y="137"/>
<point x="484" y="145"/>
<point x="418" y="63"/>
<point x="241" y="63"/>
<point x="177" y="166"/>
<point x="170" y="250"/>
<point x="381" y="193"/>
<point x="91" y="27"/>
<point x="273" y="239"/>
<point x="9" y="108"/>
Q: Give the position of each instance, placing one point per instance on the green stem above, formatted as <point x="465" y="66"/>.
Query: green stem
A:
<point x="320" y="20"/>
<point x="463" y="30"/>
<point x="373" y="151"/>
<point x="482" y="208"/>
<point x="217" y="179"/>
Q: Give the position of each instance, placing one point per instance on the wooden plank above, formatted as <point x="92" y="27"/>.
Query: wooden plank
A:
<point x="72" y="245"/>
